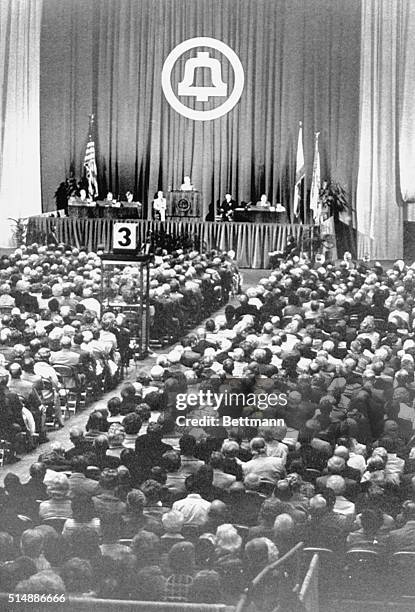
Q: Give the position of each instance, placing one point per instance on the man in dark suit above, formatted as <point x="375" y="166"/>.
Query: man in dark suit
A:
<point x="79" y="484"/>
<point x="227" y="207"/>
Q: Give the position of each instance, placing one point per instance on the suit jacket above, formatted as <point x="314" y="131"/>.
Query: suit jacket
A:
<point x="65" y="357"/>
<point x="80" y="485"/>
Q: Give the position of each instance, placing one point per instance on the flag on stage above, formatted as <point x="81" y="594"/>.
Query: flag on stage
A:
<point x="90" y="163"/>
<point x="299" y="172"/>
<point x="315" y="183"/>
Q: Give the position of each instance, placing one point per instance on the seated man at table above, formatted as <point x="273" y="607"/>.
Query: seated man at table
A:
<point x="130" y="199"/>
<point x="263" y="202"/>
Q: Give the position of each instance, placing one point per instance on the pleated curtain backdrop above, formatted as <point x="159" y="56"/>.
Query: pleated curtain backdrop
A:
<point x="20" y="196"/>
<point x="301" y="61"/>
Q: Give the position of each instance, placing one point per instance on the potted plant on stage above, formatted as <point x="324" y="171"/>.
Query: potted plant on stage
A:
<point x="333" y="200"/>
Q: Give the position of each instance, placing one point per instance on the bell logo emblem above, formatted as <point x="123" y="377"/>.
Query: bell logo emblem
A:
<point x="202" y="94"/>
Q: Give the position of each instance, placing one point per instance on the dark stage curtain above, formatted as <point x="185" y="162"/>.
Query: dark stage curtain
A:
<point x="301" y="62"/>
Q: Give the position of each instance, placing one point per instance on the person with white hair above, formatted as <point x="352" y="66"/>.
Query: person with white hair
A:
<point x="342" y="505"/>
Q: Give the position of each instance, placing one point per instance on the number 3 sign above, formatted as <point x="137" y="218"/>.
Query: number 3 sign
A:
<point x="124" y="236"/>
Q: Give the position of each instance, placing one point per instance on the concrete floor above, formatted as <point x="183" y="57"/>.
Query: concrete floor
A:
<point x="21" y="468"/>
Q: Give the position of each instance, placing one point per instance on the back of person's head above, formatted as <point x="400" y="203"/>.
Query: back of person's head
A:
<point x="256" y="554"/>
<point x="371" y="520"/>
<point x="16" y="571"/>
<point x="132" y="423"/>
<point x="135" y="501"/>
<point x="37" y="471"/>
<point x="108" y="479"/>
<point x="58" y="487"/>
<point x="146" y="547"/>
<point x="113" y="405"/>
<point x="182" y="558"/>
<point x="283" y="490"/>
<point x="77" y="575"/>
<point x="206" y="587"/>
<point x="101" y="444"/>
<point x="171" y="461"/>
<point x="283" y="526"/>
<point x="187" y="444"/>
<point x="83" y="542"/>
<point x="336" y="484"/>
<point x="227" y="538"/>
<point x="172" y="521"/>
<point x="152" y="491"/>
<point x="42" y="583"/>
<point x="149" y="584"/>
<point x="79" y="464"/>
<point x="257" y="445"/>
<point x="31" y="543"/>
<point x="216" y="460"/>
<point x="336" y="465"/>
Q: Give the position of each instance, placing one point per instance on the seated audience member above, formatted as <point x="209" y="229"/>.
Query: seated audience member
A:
<point x="31" y="545"/>
<point x="403" y="539"/>
<point x="193" y="507"/>
<point x="42" y="583"/>
<point x="342" y="505"/>
<point x="189" y="463"/>
<point x="83" y="513"/>
<point x="134" y="520"/>
<point x="80" y="445"/>
<point x="326" y="529"/>
<point x="79" y="484"/>
<point x="268" y="469"/>
<point x="59" y="504"/>
<point x="206" y="586"/>
<point x="175" y="481"/>
<point x="132" y="424"/>
<point x="172" y="522"/>
<point x="182" y="568"/>
<point x="146" y="547"/>
<point x="83" y="542"/>
<point x="111" y="533"/>
<point x="78" y="577"/>
<point x="368" y="537"/>
<point x="107" y="504"/>
<point x="221" y="479"/>
<point x="153" y="493"/>
<point x="228" y="558"/>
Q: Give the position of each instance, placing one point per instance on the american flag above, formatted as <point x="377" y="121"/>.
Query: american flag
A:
<point x="90" y="166"/>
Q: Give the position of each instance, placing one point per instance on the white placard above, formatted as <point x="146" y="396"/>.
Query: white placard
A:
<point x="124" y="236"/>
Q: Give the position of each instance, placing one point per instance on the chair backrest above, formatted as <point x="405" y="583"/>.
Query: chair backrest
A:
<point x="66" y="375"/>
<point x="358" y="558"/>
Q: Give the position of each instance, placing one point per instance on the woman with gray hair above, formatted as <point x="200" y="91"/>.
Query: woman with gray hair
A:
<point x="59" y="504"/>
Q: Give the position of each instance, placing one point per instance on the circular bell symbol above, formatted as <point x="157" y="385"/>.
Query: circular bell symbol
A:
<point x="199" y="115"/>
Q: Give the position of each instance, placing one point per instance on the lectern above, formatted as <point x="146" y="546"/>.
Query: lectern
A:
<point x="183" y="204"/>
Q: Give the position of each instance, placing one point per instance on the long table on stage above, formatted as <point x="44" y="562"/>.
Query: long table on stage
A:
<point x="251" y="241"/>
<point x="101" y="211"/>
<point x="256" y="214"/>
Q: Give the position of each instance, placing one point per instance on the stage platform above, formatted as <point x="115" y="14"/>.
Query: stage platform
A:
<point x="251" y="242"/>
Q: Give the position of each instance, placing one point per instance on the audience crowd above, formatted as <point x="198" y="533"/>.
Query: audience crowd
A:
<point x="143" y="507"/>
<point x="55" y="336"/>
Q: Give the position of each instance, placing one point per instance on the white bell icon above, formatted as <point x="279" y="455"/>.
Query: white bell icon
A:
<point x="202" y="94"/>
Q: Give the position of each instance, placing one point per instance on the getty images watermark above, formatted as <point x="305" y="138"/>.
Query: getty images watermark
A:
<point x="227" y="401"/>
